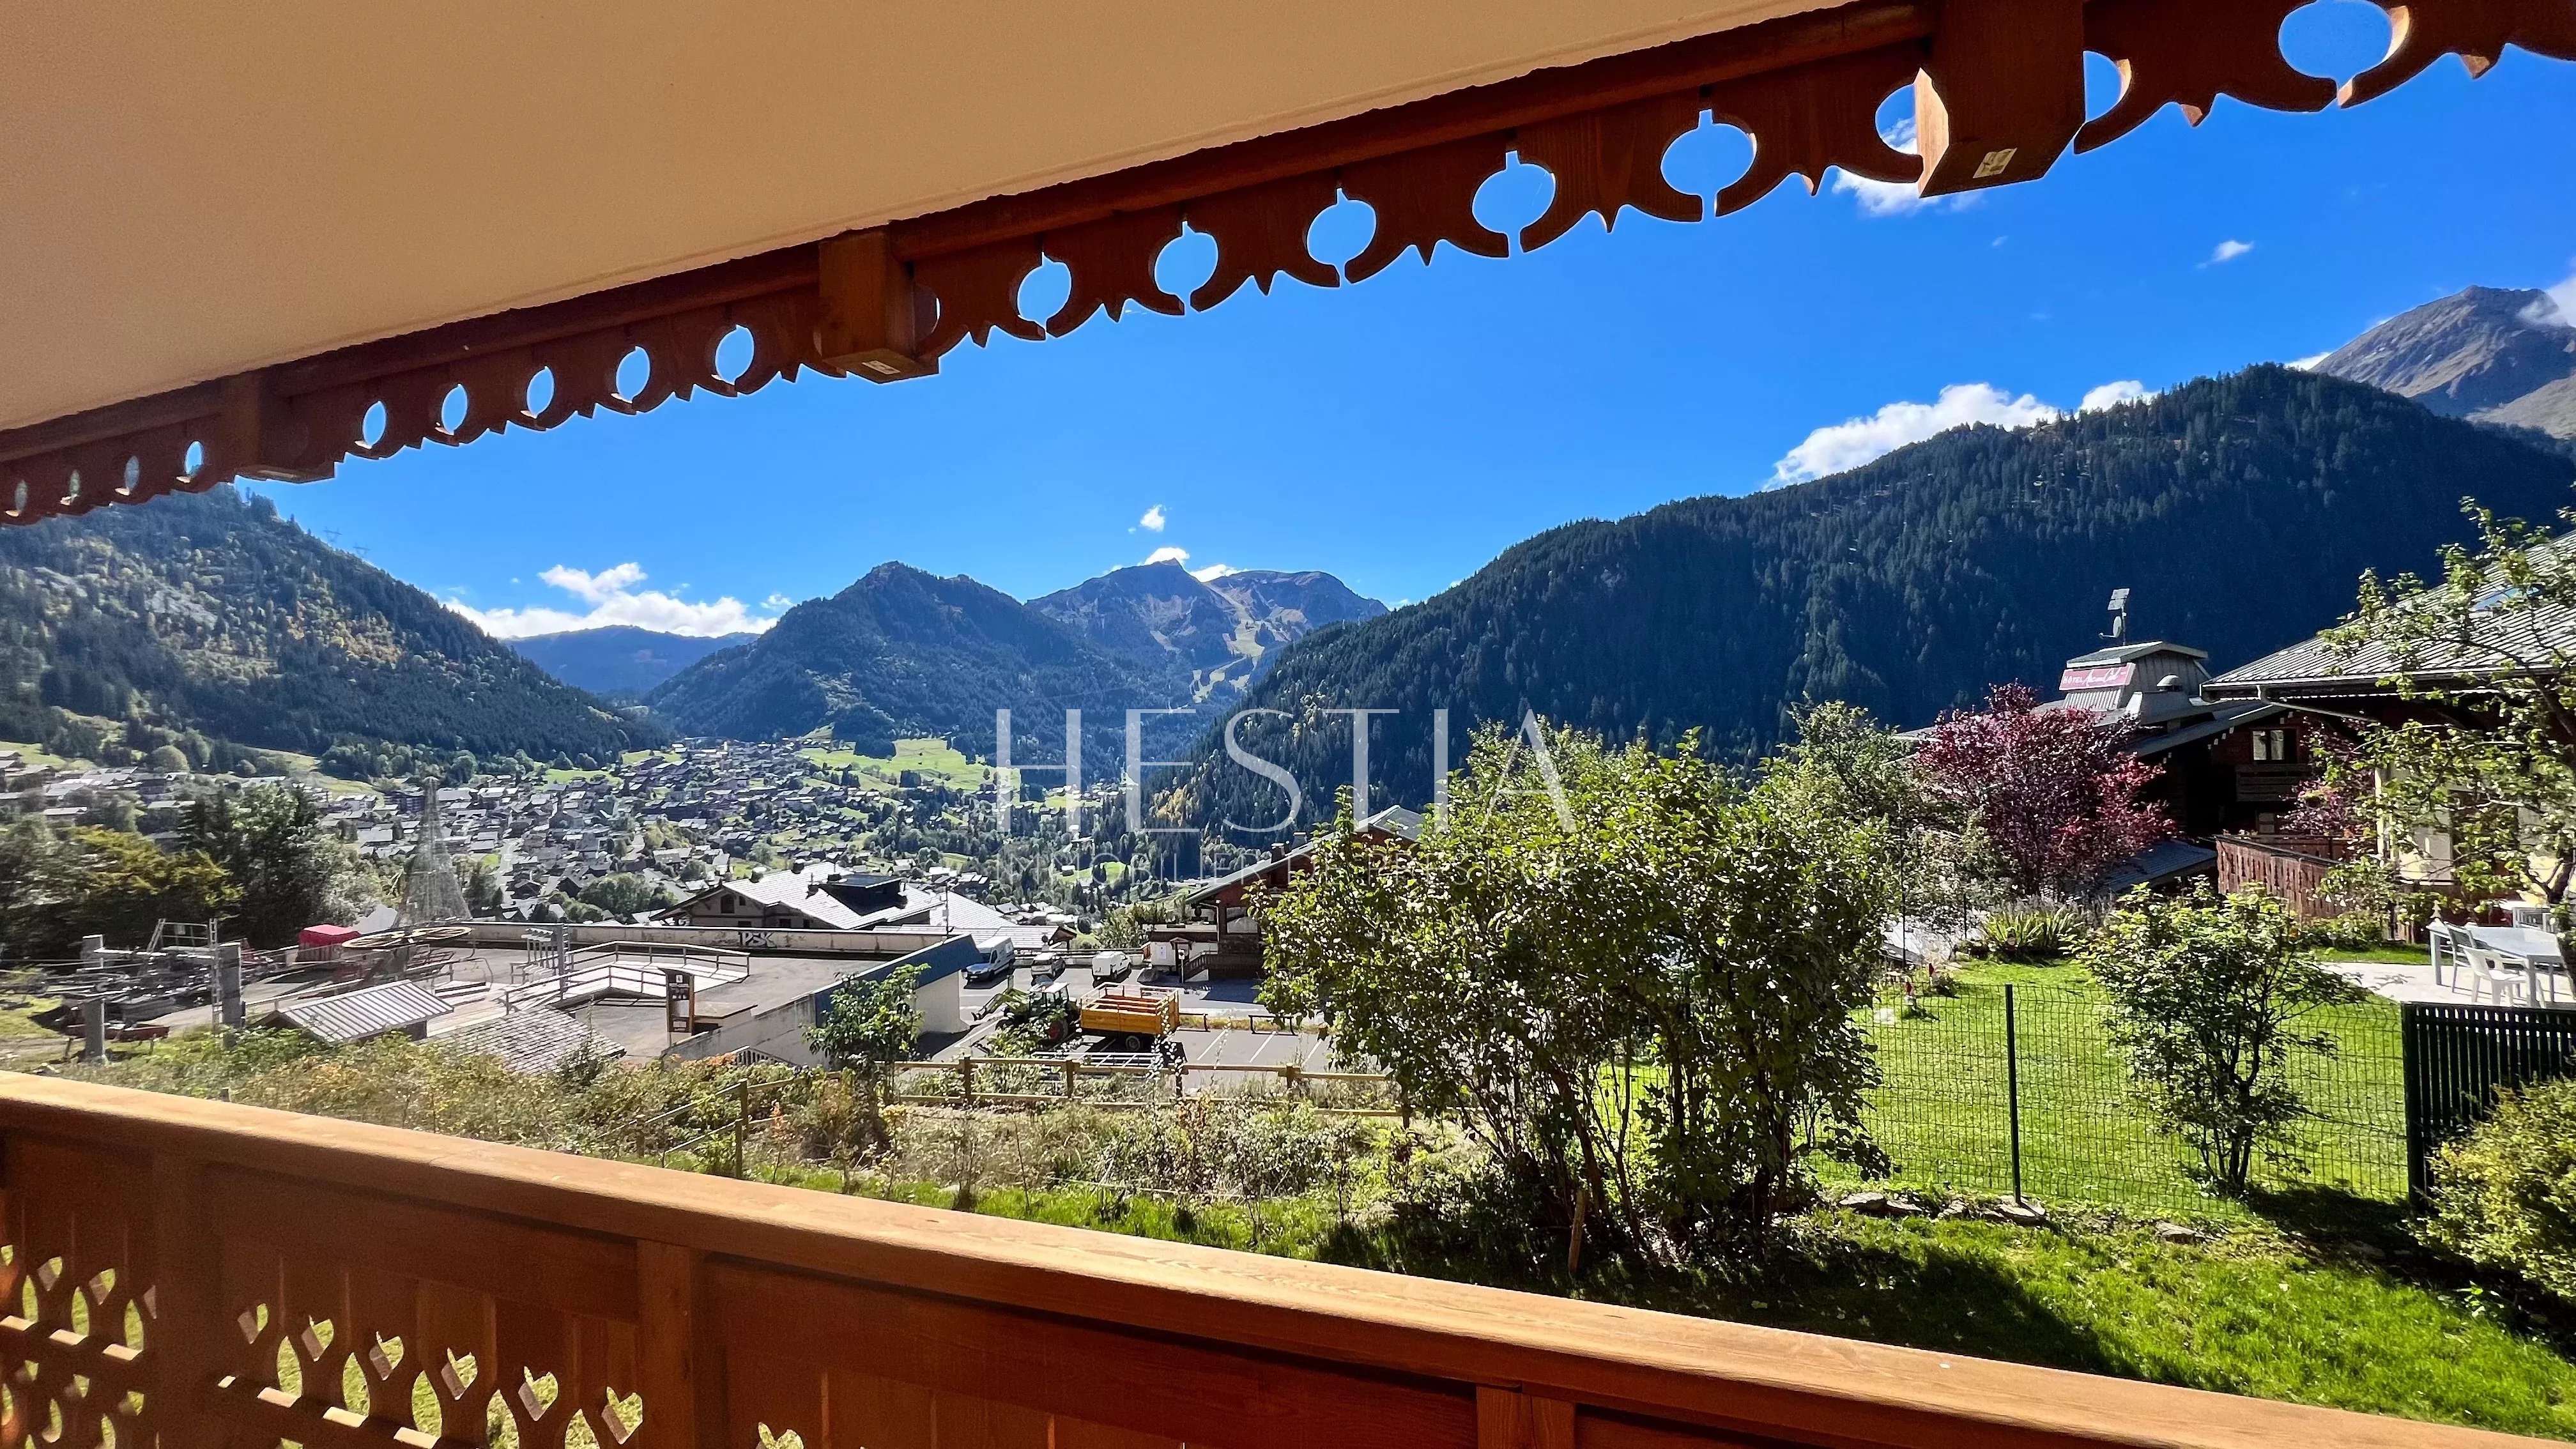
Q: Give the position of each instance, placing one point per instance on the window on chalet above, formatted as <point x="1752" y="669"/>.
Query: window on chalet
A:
<point x="2274" y="747"/>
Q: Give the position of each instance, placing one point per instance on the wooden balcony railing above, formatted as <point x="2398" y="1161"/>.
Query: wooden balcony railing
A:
<point x="197" y="1273"/>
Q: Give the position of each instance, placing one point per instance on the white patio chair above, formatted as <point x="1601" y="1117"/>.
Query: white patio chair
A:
<point x="2492" y="977"/>
<point x="2441" y="943"/>
<point x="2533" y="918"/>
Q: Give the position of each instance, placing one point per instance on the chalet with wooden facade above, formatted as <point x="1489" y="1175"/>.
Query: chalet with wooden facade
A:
<point x="1220" y="933"/>
<point x="2320" y="687"/>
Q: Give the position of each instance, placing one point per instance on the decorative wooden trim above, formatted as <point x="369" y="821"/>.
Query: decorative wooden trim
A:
<point x="1998" y="94"/>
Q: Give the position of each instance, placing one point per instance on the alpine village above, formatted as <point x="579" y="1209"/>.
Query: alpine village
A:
<point x="2033" y="924"/>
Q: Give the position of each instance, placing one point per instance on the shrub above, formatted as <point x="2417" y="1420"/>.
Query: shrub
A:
<point x="2504" y="1196"/>
<point x="2206" y="993"/>
<point x="2029" y="935"/>
<point x="2351" y="931"/>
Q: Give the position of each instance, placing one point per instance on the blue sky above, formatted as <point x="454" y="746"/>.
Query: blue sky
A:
<point x="1402" y="432"/>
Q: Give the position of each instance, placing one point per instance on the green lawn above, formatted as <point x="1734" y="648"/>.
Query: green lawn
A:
<point x="2251" y="1311"/>
<point x="14" y="1020"/>
<point x="928" y="757"/>
<point x="2390" y="952"/>
<point x="36" y="759"/>
<point x="1943" y="1115"/>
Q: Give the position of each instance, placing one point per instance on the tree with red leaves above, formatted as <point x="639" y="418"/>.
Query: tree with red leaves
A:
<point x="2055" y="791"/>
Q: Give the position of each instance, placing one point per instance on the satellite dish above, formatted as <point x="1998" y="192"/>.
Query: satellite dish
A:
<point x="2170" y="681"/>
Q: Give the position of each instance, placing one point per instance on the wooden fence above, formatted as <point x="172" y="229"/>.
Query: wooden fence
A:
<point x="2293" y="869"/>
<point x="2456" y="1058"/>
<point x="193" y="1273"/>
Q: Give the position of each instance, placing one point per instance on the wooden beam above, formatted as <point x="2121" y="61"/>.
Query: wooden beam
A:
<point x="254" y="436"/>
<point x="873" y="317"/>
<point x="1510" y="1419"/>
<point x="2002" y="95"/>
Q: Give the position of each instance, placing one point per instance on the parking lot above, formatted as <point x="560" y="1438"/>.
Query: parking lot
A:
<point x="1223" y="1024"/>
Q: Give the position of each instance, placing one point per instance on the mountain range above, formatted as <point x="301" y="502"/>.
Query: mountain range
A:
<point x="905" y="653"/>
<point x="1222" y="634"/>
<point x="619" y="659"/>
<point x="2492" y="354"/>
<point x="211" y="617"/>
<point x="2239" y="510"/>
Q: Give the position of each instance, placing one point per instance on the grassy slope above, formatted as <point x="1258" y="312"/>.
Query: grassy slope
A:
<point x="929" y="757"/>
<point x="36" y="759"/>
<point x="2253" y="1311"/>
<point x="1943" y="1114"/>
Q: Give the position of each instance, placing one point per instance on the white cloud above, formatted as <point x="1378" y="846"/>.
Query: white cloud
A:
<point x="1212" y="573"/>
<point x="2558" y="309"/>
<point x="1886" y="198"/>
<point x="2309" y="362"/>
<point x="1153" y="520"/>
<point x="1849" y="444"/>
<point x="2112" y="394"/>
<point x="778" y="601"/>
<point x="2228" y="251"/>
<point x="614" y="599"/>
<point x="596" y="588"/>
<point x="1856" y="441"/>
<point x="1168" y="554"/>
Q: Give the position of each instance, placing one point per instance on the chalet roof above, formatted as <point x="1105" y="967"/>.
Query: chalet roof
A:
<point x="2313" y="668"/>
<point x="810" y="893"/>
<point x="2164" y="861"/>
<point x="1394" y="821"/>
<point x="366" y="1012"/>
<point x="537" y="1040"/>
<point x="2131" y="653"/>
<point x="2232" y="714"/>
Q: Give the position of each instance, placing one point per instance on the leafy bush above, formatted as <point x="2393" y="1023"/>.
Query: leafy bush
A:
<point x="2505" y="1195"/>
<point x="2029" y="935"/>
<point x="2351" y="931"/>
<point x="1629" y="976"/>
<point x="2206" y="995"/>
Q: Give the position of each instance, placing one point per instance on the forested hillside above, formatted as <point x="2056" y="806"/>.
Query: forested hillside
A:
<point x="211" y="616"/>
<point x="903" y="653"/>
<point x="2239" y="510"/>
<point x="619" y="659"/>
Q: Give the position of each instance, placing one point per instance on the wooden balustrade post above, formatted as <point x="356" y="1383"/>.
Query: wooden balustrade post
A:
<point x="1510" y="1419"/>
<point x="679" y="1363"/>
<point x="186" y="1306"/>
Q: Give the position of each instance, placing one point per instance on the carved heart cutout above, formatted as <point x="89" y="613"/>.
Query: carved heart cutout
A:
<point x="457" y="1374"/>
<point x="622" y="1417"/>
<point x="537" y="1395"/>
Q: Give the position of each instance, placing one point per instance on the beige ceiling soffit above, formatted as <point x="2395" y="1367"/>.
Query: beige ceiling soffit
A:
<point x="1998" y="92"/>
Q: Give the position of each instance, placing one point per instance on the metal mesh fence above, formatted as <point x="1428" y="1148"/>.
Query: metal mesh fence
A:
<point x="1999" y="1089"/>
